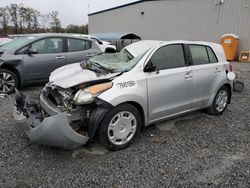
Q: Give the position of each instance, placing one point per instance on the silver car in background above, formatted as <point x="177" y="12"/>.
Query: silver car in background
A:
<point x="113" y="96"/>
<point x="29" y="59"/>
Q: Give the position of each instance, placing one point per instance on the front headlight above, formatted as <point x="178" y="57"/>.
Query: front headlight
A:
<point x="88" y="95"/>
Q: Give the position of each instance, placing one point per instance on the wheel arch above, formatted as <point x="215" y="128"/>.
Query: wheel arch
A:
<point x="15" y="71"/>
<point x="140" y="109"/>
<point x="99" y="113"/>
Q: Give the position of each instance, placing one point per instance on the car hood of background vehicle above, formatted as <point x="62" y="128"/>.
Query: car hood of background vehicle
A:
<point x="73" y="75"/>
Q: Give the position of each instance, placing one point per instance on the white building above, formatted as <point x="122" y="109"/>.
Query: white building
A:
<point x="205" y="20"/>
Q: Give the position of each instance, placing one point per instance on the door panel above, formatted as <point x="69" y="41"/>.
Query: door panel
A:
<point x="204" y="80"/>
<point x="170" y="86"/>
<point x="78" y="50"/>
<point x="37" y="67"/>
<point x="75" y="57"/>
<point x="206" y="74"/>
<point x="169" y="92"/>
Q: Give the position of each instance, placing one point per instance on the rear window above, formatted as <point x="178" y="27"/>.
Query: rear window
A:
<point x="212" y="56"/>
<point x="199" y="54"/>
<point x="75" y="45"/>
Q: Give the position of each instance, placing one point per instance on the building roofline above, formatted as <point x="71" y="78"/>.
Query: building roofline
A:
<point x="117" y="7"/>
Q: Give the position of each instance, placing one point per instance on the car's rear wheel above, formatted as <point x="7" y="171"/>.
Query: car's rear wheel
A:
<point x="8" y="81"/>
<point x="120" y="127"/>
<point x="220" y="102"/>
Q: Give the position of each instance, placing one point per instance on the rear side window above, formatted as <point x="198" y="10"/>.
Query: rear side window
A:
<point x="75" y="45"/>
<point x="199" y="54"/>
<point x="211" y="55"/>
<point x="167" y="57"/>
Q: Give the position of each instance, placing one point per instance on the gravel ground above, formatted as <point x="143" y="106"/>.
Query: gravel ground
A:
<point x="195" y="150"/>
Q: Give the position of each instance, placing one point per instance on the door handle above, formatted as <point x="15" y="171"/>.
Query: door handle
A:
<point x="217" y="70"/>
<point x="60" y="57"/>
<point x="188" y="76"/>
<point x="90" y="55"/>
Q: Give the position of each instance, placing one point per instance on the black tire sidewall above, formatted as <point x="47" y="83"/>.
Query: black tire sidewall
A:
<point x="103" y="130"/>
<point x="14" y="76"/>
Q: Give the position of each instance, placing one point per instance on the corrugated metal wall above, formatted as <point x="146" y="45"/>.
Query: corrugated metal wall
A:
<point x="179" y="19"/>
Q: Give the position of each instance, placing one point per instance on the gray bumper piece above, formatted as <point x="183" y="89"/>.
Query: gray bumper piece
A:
<point x="53" y="131"/>
<point x="56" y="131"/>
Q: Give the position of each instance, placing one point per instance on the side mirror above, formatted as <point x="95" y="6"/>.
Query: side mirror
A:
<point x="32" y="51"/>
<point x="150" y="67"/>
<point x="100" y="42"/>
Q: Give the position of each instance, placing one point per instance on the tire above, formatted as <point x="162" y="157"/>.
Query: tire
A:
<point x="238" y="86"/>
<point x="117" y="131"/>
<point x="109" y="50"/>
<point x="8" y="81"/>
<point x="217" y="109"/>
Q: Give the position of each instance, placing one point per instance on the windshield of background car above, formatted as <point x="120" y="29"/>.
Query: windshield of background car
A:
<point x="16" y="42"/>
<point x="117" y="62"/>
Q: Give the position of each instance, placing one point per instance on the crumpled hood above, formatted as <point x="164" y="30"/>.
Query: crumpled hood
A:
<point x="73" y="74"/>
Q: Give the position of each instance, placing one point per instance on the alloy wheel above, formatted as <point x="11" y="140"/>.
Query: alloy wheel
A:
<point x="7" y="82"/>
<point x="221" y="101"/>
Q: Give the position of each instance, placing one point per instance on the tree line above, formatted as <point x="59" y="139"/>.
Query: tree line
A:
<point x="19" y="19"/>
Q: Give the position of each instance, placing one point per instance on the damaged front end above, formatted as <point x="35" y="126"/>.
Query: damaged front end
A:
<point x="54" y="119"/>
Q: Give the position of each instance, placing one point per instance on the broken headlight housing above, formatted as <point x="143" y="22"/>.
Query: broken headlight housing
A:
<point x="88" y="95"/>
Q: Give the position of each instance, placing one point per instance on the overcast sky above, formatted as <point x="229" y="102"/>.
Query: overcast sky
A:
<point x="70" y="11"/>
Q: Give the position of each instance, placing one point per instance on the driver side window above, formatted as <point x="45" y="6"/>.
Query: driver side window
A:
<point x="167" y="57"/>
<point x="48" y="45"/>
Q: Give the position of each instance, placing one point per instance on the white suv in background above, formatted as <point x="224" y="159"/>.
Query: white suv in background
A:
<point x="105" y="46"/>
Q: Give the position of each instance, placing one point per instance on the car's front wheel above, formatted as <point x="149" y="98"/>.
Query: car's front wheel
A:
<point x="220" y="102"/>
<point x="8" y="81"/>
<point x="120" y="127"/>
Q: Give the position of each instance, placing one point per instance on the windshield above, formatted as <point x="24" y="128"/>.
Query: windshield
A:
<point x="117" y="62"/>
<point x="16" y="42"/>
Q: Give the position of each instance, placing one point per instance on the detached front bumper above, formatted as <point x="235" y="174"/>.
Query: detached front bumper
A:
<point x="50" y="131"/>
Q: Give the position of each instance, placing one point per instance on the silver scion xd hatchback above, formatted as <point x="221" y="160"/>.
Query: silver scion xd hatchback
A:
<point x="112" y="96"/>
